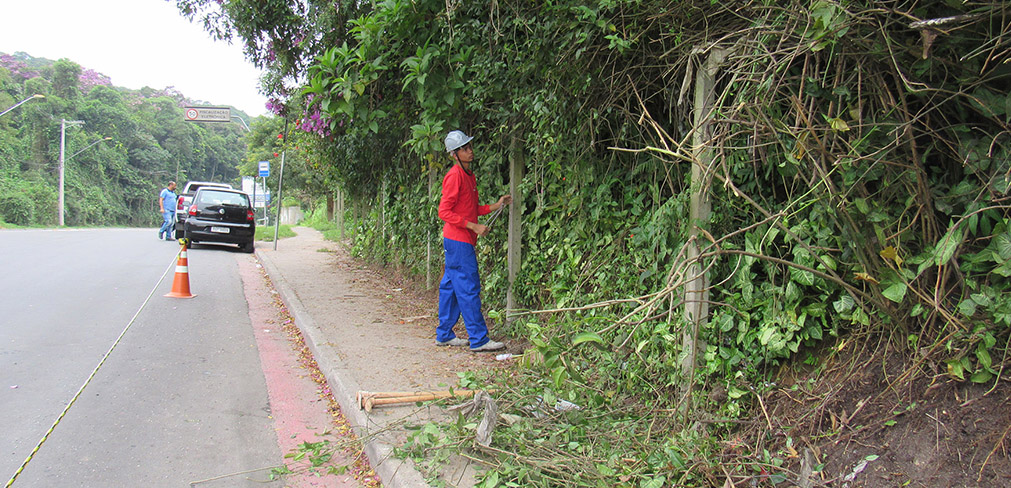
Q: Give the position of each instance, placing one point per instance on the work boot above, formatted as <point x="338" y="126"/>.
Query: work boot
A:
<point x="488" y="346"/>
<point x="456" y="341"/>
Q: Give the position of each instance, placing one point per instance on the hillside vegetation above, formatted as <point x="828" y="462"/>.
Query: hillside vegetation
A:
<point x="113" y="182"/>
<point x="835" y="173"/>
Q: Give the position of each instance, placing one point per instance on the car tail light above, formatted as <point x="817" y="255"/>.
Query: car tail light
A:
<point x="250" y="216"/>
<point x="181" y="206"/>
<point x="193" y="210"/>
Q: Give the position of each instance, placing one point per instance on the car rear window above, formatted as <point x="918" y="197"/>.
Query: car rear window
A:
<point x="211" y="197"/>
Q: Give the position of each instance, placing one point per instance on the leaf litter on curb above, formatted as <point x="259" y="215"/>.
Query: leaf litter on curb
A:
<point x="360" y="467"/>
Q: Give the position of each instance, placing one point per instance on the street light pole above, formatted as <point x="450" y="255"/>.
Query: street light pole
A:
<point x="265" y="215"/>
<point x="280" y="179"/>
<point x="89" y="146"/>
<point x="63" y="148"/>
<point x="33" y="97"/>
<point x="243" y="122"/>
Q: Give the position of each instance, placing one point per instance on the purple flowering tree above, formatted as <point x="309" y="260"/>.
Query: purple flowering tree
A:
<point x="90" y="79"/>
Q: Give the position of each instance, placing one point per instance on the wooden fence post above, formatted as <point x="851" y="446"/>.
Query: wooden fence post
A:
<point x="517" y="163"/>
<point x="428" y="234"/>
<point x="696" y="293"/>
<point x="382" y="212"/>
<point x="356" y="211"/>
<point x="340" y="211"/>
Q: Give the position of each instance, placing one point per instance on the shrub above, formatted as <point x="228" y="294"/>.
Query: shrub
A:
<point x="17" y="208"/>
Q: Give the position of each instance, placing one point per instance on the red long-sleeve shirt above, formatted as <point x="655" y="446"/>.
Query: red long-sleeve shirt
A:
<point x="459" y="205"/>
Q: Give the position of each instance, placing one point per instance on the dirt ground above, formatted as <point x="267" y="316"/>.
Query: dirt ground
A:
<point x="873" y="427"/>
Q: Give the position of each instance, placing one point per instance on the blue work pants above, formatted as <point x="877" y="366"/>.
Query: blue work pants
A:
<point x="166" y="226"/>
<point x="460" y="294"/>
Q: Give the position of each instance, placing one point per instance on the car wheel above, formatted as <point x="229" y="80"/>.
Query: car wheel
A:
<point x="247" y="247"/>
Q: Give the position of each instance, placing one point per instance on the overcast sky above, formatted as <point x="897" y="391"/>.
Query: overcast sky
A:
<point x="136" y="43"/>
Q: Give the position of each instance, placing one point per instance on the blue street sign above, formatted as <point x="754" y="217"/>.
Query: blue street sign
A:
<point x="264" y="168"/>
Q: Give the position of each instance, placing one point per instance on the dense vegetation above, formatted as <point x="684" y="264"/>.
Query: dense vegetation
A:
<point x="856" y="167"/>
<point x="113" y="182"/>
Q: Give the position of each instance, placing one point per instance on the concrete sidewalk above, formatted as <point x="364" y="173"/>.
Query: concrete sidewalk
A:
<point x="367" y="334"/>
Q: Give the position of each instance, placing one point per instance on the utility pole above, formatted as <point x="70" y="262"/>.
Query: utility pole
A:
<point x="63" y="149"/>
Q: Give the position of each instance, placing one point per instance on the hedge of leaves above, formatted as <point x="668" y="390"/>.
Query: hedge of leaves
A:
<point x="859" y="176"/>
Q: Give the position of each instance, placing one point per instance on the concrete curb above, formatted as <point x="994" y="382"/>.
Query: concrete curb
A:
<point x="394" y="473"/>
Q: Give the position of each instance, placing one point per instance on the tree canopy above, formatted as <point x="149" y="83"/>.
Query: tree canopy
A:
<point x="112" y="182"/>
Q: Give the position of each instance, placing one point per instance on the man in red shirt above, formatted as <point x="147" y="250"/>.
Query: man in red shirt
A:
<point x="460" y="290"/>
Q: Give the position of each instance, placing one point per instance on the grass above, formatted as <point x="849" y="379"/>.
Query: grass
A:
<point x="267" y="233"/>
<point x="330" y="230"/>
<point x="333" y="234"/>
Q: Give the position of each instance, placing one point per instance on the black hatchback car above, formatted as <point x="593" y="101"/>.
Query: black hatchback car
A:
<point x="221" y="215"/>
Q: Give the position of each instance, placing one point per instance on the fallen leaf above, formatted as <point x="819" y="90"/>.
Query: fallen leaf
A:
<point x="866" y="277"/>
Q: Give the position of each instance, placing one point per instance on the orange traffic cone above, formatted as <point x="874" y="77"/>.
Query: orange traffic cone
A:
<point x="181" y="285"/>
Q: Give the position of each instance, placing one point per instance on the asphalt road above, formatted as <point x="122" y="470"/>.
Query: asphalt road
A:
<point x="181" y="399"/>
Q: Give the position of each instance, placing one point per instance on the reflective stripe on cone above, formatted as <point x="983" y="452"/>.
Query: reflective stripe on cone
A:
<point x="181" y="283"/>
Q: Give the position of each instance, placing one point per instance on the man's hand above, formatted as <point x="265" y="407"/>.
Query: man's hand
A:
<point x="505" y="200"/>
<point x="479" y="229"/>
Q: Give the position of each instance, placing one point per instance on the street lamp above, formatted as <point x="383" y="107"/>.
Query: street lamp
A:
<point x="89" y="146"/>
<point x="243" y="122"/>
<point x="64" y="160"/>
<point x="33" y="97"/>
<point x="63" y="147"/>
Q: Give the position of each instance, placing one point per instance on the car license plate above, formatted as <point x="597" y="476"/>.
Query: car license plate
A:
<point x="220" y="230"/>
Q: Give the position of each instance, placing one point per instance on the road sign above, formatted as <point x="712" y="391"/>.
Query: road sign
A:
<point x="208" y="114"/>
<point x="262" y="199"/>
<point x="264" y="168"/>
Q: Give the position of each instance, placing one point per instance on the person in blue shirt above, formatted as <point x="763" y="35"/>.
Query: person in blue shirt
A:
<point x="167" y="202"/>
